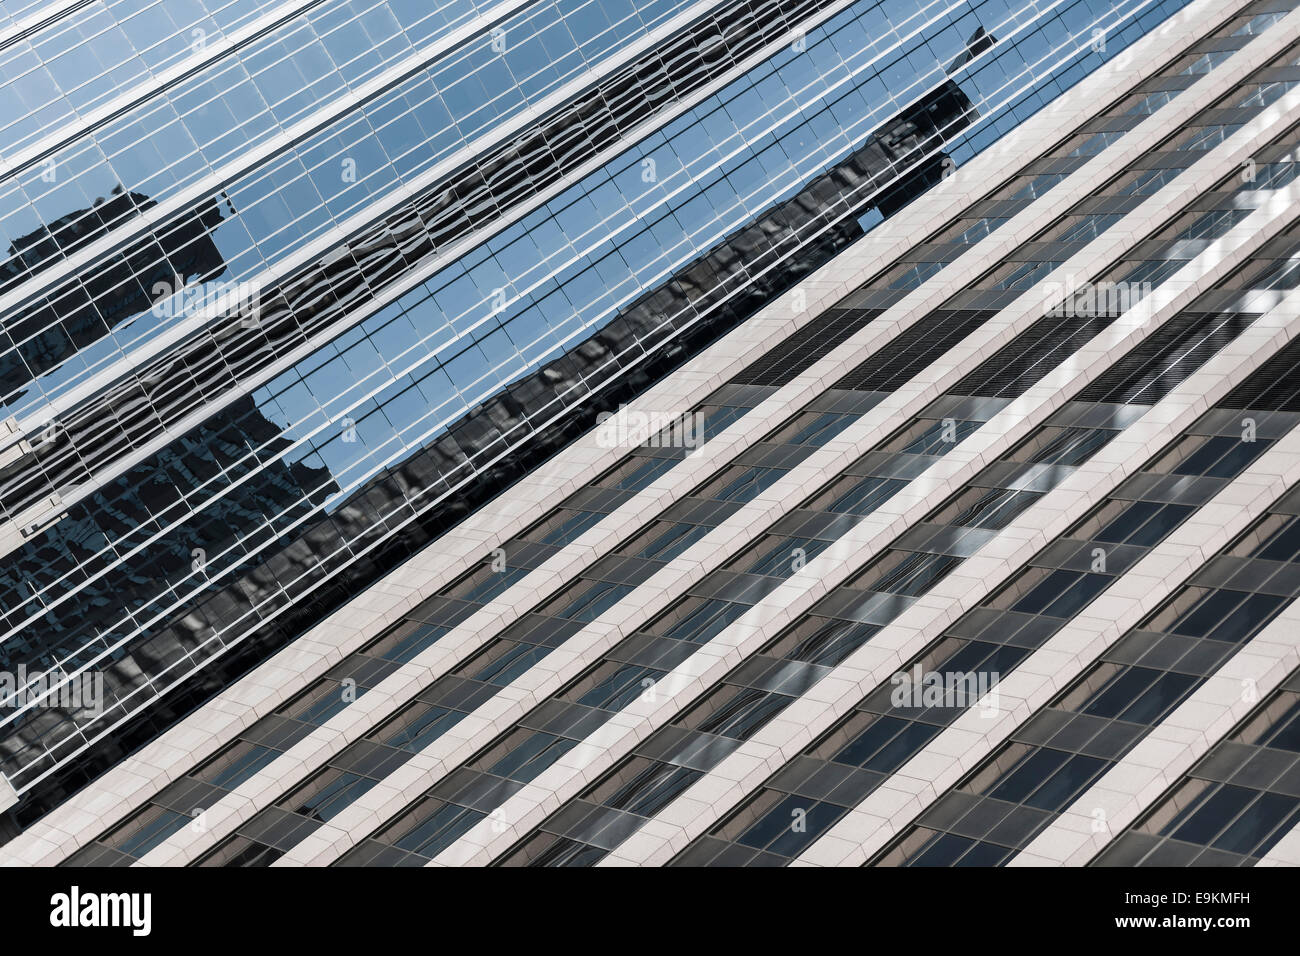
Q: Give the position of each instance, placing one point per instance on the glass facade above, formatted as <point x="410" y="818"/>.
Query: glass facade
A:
<point x="738" y="149"/>
<point x="291" y="288"/>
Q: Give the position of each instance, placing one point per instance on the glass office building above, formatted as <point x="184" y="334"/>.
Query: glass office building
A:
<point x="597" y="433"/>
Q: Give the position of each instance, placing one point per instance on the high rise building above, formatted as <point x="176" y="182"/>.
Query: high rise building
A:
<point x="660" y="433"/>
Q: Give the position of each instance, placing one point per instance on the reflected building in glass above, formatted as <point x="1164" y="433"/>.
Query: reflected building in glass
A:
<point x="290" y="320"/>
